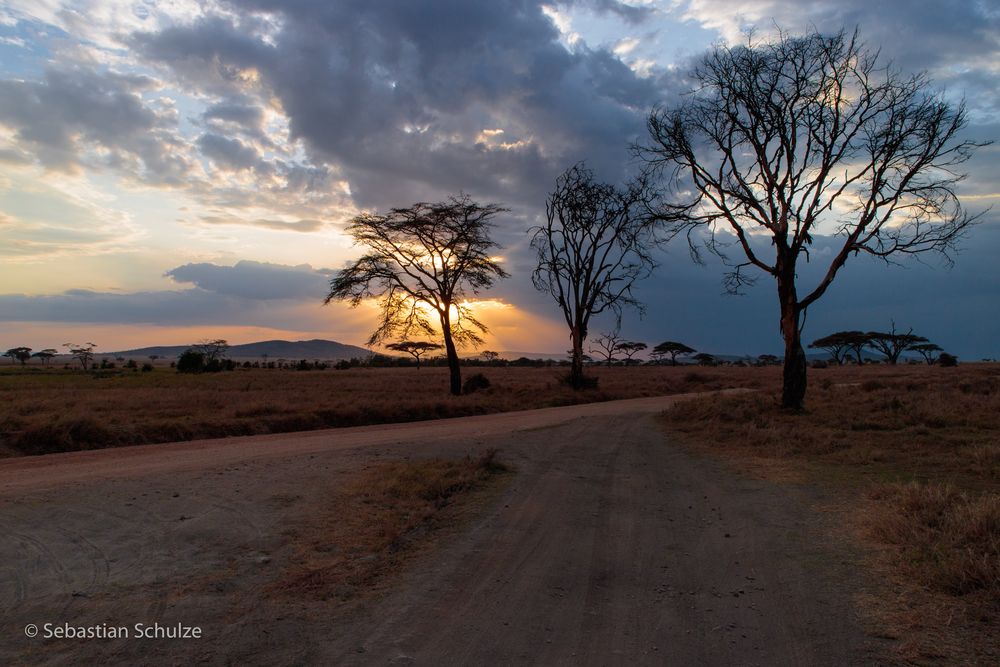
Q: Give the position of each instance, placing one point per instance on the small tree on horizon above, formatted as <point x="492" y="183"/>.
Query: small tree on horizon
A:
<point x="673" y="349"/>
<point x="607" y="345"/>
<point x="891" y="344"/>
<point x="21" y="354"/>
<point x="82" y="353"/>
<point x="423" y="261"/>
<point x="630" y="349"/>
<point x="837" y="344"/>
<point x="414" y="348"/>
<point x="929" y="351"/>
<point x="46" y="355"/>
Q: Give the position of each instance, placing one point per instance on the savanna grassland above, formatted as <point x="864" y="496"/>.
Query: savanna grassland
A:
<point x="914" y="454"/>
<point x="52" y="410"/>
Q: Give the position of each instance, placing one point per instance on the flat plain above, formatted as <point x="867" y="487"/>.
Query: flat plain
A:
<point x="706" y="528"/>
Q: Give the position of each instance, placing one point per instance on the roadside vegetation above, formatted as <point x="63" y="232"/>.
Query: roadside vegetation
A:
<point x="915" y="455"/>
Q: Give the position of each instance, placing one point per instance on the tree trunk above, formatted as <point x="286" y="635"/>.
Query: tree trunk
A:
<point x="793" y="387"/>
<point x="454" y="369"/>
<point x="576" y="366"/>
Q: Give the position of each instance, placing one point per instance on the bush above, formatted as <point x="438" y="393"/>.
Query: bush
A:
<point x="147" y="367"/>
<point x="191" y="361"/>
<point x="819" y="363"/>
<point x="585" y="382"/>
<point x="474" y="383"/>
<point x="946" y="359"/>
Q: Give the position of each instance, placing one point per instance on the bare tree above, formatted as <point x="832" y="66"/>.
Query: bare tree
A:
<point x="630" y="348"/>
<point x="594" y="246"/>
<point x="428" y="257"/>
<point x="801" y="137"/>
<point x="212" y="349"/>
<point x="607" y="345"/>
<point x="414" y="348"/>
<point x="82" y="353"/>
<point x="673" y="349"/>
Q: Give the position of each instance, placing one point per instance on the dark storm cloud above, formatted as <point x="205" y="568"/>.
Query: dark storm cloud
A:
<point x="397" y="93"/>
<point x="255" y="280"/>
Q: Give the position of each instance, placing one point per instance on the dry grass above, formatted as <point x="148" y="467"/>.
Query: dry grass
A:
<point x="53" y="410"/>
<point x="916" y="453"/>
<point x="375" y="521"/>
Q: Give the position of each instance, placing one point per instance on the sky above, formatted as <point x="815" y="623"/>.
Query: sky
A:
<point x="179" y="170"/>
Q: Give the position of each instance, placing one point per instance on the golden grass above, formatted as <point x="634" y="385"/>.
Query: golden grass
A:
<point x="916" y="454"/>
<point x="375" y="521"/>
<point x="53" y="410"/>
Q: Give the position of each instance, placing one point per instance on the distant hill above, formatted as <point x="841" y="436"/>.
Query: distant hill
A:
<point x="274" y="349"/>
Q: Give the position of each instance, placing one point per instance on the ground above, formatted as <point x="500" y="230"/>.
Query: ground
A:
<point x="606" y="545"/>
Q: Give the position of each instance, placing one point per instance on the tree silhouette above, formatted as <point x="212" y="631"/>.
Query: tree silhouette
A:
<point x="808" y="136"/>
<point x="672" y="349"/>
<point x="892" y="344"/>
<point x="428" y="257"/>
<point x="46" y="355"/>
<point x="926" y="350"/>
<point x="837" y="344"/>
<point x="594" y="246"/>
<point x="630" y="349"/>
<point x="414" y="348"/>
<point x="82" y="353"/>
<point x="606" y="346"/>
<point x="21" y="354"/>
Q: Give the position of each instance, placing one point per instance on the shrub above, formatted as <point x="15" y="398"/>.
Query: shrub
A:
<point x="946" y="359"/>
<point x="474" y="383"/>
<point x="147" y="367"/>
<point x="191" y="361"/>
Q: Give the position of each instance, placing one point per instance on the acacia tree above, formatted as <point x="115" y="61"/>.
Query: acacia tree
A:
<point x="21" y="354"/>
<point x="801" y="137"/>
<point x="423" y="261"/>
<point x="46" y="355"/>
<point x="673" y="349"/>
<point x="836" y="344"/>
<point x="630" y="349"/>
<point x="892" y="344"/>
<point x="594" y="246"/>
<point x="929" y="351"/>
<point x="606" y="346"/>
<point x="414" y="348"/>
<point x="82" y="353"/>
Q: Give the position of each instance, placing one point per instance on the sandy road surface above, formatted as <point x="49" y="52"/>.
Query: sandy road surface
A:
<point x="609" y="546"/>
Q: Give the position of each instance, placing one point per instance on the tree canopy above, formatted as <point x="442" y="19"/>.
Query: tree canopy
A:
<point x="424" y="262"/>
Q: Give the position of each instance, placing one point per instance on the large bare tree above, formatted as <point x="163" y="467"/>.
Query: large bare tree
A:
<point x="594" y="246"/>
<point x="424" y="261"/>
<point x="801" y="137"/>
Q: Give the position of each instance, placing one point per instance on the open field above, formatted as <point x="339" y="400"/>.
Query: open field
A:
<point x="915" y="457"/>
<point x="55" y="410"/>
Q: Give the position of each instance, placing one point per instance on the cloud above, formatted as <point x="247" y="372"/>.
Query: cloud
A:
<point x="396" y="94"/>
<point x="256" y="280"/>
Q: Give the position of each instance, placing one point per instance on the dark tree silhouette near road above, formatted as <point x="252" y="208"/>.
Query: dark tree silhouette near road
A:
<point x="594" y="246"/>
<point x="425" y="259"/>
<point x="807" y="136"/>
<point x="673" y="349"/>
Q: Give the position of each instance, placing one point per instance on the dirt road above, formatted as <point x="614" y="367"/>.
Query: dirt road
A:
<point x="609" y="546"/>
